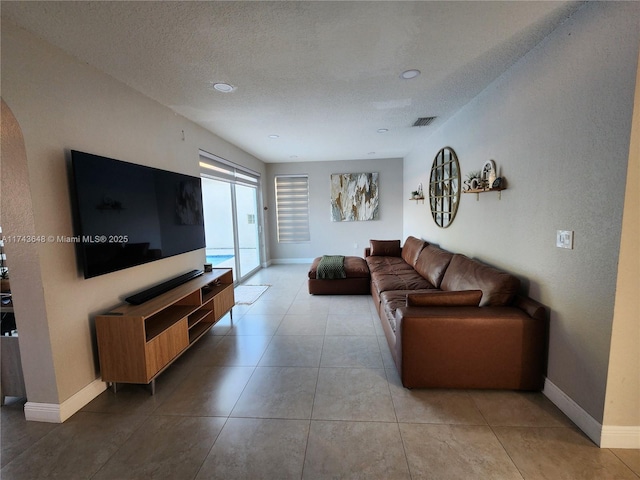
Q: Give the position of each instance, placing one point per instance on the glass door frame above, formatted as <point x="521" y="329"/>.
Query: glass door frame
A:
<point x="241" y="235"/>
<point x="219" y="169"/>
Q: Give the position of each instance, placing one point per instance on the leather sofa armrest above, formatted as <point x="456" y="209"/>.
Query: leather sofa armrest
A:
<point x="530" y="307"/>
<point x="367" y="251"/>
<point x="470" y="347"/>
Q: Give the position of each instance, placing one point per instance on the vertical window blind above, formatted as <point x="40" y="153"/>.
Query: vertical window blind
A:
<point x="292" y="208"/>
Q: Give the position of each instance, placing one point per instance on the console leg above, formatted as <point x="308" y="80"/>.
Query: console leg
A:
<point x="114" y="387"/>
<point x="152" y="386"/>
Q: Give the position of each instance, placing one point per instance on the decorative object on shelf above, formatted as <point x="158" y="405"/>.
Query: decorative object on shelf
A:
<point x="354" y="197"/>
<point x="417" y="194"/>
<point x="486" y="180"/>
<point x="488" y="174"/>
<point x="472" y="181"/>
<point x="444" y="187"/>
<point x="208" y="267"/>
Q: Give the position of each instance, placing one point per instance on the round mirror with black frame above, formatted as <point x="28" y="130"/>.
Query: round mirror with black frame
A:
<point x="444" y="187"/>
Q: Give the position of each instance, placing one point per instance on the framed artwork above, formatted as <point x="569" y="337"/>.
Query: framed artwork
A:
<point x="354" y="197"/>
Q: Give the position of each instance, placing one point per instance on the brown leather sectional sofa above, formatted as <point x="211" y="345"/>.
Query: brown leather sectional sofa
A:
<point x="357" y="281"/>
<point x="454" y="322"/>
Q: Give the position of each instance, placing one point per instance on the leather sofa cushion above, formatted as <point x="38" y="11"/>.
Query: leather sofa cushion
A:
<point x="432" y="262"/>
<point x="498" y="287"/>
<point x="411" y="249"/>
<point x="409" y="280"/>
<point x="386" y="248"/>
<point x="354" y="267"/>
<point x="395" y="299"/>
<point x="387" y="264"/>
<point x="440" y="298"/>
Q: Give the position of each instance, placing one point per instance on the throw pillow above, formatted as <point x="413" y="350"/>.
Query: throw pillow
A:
<point x="385" y="248"/>
<point x="462" y="298"/>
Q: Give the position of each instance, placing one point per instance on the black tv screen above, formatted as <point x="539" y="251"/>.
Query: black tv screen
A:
<point x="128" y="214"/>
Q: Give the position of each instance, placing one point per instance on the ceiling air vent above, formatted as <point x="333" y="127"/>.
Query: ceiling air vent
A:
<point x="423" y="121"/>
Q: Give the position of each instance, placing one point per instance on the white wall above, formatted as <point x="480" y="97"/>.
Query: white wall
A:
<point x="16" y="211"/>
<point x="63" y="104"/>
<point x="558" y="126"/>
<point x="338" y="238"/>
<point x="622" y="406"/>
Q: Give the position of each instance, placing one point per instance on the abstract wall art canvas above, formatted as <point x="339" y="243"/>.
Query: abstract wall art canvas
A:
<point x="354" y="197"/>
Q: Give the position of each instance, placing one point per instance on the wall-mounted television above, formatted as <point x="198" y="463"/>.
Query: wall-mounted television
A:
<point x="128" y="214"/>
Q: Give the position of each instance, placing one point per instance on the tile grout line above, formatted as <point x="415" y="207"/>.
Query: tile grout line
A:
<point x="313" y="404"/>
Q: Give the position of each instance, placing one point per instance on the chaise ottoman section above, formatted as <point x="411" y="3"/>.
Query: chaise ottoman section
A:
<point x="356" y="283"/>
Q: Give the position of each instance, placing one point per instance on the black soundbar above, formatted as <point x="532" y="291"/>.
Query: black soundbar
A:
<point x="161" y="288"/>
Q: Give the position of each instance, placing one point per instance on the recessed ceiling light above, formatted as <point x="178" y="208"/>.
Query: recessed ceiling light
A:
<point x="223" y="87"/>
<point x="382" y="130"/>
<point x="409" y="74"/>
<point x="274" y="136"/>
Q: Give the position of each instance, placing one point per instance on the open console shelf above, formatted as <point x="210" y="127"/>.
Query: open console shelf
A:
<point x="138" y="342"/>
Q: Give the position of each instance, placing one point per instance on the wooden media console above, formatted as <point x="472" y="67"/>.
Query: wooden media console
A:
<point x="138" y="342"/>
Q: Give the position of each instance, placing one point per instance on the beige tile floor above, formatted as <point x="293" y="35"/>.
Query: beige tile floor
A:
<point x="303" y="387"/>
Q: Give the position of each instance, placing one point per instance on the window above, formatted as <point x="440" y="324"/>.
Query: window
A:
<point x="213" y="166"/>
<point x="292" y="208"/>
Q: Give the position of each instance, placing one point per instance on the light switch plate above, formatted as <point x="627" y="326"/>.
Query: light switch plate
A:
<point x="564" y="239"/>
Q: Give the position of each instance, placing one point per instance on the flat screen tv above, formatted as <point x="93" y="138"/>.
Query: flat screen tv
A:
<point x="128" y="214"/>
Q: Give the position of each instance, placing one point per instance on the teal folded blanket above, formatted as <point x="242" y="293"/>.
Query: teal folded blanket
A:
<point x="331" y="267"/>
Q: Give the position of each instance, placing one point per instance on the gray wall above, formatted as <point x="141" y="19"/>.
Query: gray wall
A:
<point x="338" y="238"/>
<point x="558" y="126"/>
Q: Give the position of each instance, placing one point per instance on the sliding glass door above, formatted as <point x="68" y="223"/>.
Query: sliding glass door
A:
<point x="232" y="223"/>
<point x="218" y="223"/>
<point x="247" y="228"/>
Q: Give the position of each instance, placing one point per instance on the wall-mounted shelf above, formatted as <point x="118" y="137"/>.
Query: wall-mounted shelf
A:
<point x="417" y="199"/>
<point x="478" y="191"/>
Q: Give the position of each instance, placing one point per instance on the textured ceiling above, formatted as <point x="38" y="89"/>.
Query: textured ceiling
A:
<point x="323" y="76"/>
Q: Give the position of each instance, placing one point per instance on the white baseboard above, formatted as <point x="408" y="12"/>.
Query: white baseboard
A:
<point x="58" y="413"/>
<point x="605" y="436"/>
<point x="620" y="437"/>
<point x="42" y="412"/>
<point x="284" y="261"/>
<point x="585" y="422"/>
